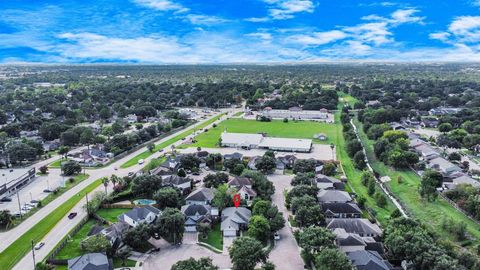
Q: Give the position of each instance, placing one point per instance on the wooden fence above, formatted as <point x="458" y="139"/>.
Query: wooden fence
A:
<point x="64" y="241"/>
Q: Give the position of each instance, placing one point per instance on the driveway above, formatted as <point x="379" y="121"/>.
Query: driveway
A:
<point x="169" y="255"/>
<point x="190" y="238"/>
<point x="286" y="253"/>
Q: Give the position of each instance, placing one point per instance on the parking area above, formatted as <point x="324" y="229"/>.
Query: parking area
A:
<point x="319" y="151"/>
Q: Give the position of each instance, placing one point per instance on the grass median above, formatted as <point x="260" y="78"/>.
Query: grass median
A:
<point x="18" y="249"/>
<point x="166" y="143"/>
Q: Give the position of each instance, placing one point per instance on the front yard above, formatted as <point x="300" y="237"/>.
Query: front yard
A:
<point x="111" y="214"/>
<point x="214" y="237"/>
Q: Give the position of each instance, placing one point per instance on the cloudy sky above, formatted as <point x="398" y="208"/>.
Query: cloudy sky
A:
<point x="234" y="31"/>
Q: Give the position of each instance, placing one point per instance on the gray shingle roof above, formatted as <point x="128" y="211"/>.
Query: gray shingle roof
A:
<point x="341" y="208"/>
<point x="140" y="213"/>
<point x="368" y="260"/>
<point x="325" y="196"/>
<point x="232" y="217"/>
<point x="355" y="225"/>
<point x="201" y="194"/>
<point x="90" y="261"/>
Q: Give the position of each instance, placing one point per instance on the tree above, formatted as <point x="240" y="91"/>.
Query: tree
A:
<point x="19" y="151"/>
<point x="380" y="199"/>
<point x="309" y="216"/>
<point x="454" y="156"/>
<point x="6" y="219"/>
<point x="431" y="180"/>
<point x="43" y="169"/>
<point x="332" y="259"/>
<point x="238" y="169"/>
<point x="246" y="252"/>
<point x="105" y="182"/>
<point x="445" y="127"/>
<point x="314" y="239"/>
<point x="87" y="137"/>
<point x="214" y="180"/>
<point x="123" y="254"/>
<point x="266" y="164"/>
<point x="304" y="166"/>
<point x="268" y="266"/>
<point x="300" y="190"/>
<point x="171" y="225"/>
<point x="359" y="160"/>
<point x="151" y="147"/>
<point x="70" y="138"/>
<point x="51" y="131"/>
<point x="137" y="237"/>
<point x="146" y="185"/>
<point x="303" y="179"/>
<point x="63" y="150"/>
<point x="168" y="197"/>
<point x="189" y="162"/>
<point x="222" y="197"/>
<point x="329" y="168"/>
<point x="302" y="201"/>
<point x="96" y="243"/>
<point x="260" y="184"/>
<point x="353" y="147"/>
<point x="259" y="228"/>
<point x="71" y="167"/>
<point x="270" y="212"/>
<point x="193" y="264"/>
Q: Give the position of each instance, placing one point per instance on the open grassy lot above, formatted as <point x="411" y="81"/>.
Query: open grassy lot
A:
<point x="275" y="128"/>
<point x="214" y="237"/>
<point x="164" y="144"/>
<point x="111" y="214"/>
<point x="11" y="255"/>
<point x="347" y="99"/>
<point x="430" y="213"/>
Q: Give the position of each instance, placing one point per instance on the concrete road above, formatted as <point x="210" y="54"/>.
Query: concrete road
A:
<point x="286" y="253"/>
<point x="65" y="225"/>
<point x="169" y="255"/>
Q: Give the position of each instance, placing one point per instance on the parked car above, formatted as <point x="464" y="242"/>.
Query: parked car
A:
<point x="141" y="161"/>
<point x="130" y="174"/>
<point x="6" y="199"/>
<point x="39" y="245"/>
<point x="276" y="236"/>
<point x="72" y="215"/>
<point x="47" y="190"/>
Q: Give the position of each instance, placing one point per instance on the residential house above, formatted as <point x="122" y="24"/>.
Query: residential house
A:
<point x="131" y="118"/>
<point x="333" y="196"/>
<point x="235" y="155"/>
<point x="328" y="182"/>
<point x="443" y="166"/>
<point x="51" y="145"/>
<point x="397" y="126"/>
<point x="348" y="242"/>
<point x="114" y="233"/>
<point x="234" y="220"/>
<point x="288" y="160"/>
<point x="429" y="123"/>
<point x="425" y="151"/>
<point x="251" y="163"/>
<point x="360" y="226"/>
<point x="243" y="186"/>
<point x="444" y="111"/>
<point x="91" y="261"/>
<point x="341" y="210"/>
<point x="463" y="179"/>
<point x="200" y="196"/>
<point x="368" y="260"/>
<point x="146" y="214"/>
<point x="196" y="214"/>
<point x="182" y="183"/>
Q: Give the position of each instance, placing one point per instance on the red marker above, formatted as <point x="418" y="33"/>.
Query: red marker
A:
<point x="236" y="200"/>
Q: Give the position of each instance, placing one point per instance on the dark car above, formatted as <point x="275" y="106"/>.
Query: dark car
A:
<point x="72" y="215"/>
<point x="6" y="199"/>
<point x="47" y="190"/>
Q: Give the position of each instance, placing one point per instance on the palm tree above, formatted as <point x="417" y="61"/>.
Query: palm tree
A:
<point x="105" y="182"/>
<point x="114" y="179"/>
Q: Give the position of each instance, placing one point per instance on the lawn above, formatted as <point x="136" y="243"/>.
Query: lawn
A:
<point x="164" y="144"/>
<point x="72" y="248"/>
<point x="430" y="213"/>
<point x="57" y="163"/>
<point x="15" y="252"/>
<point x="346" y="98"/>
<point x="111" y="214"/>
<point x="275" y="128"/>
<point x="214" y="237"/>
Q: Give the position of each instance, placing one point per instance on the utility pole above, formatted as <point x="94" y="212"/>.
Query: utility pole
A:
<point x="33" y="255"/>
<point x="86" y="198"/>
<point x="19" y="206"/>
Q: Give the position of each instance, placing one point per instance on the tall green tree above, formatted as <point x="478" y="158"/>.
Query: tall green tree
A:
<point x="246" y="252"/>
<point x="171" y="225"/>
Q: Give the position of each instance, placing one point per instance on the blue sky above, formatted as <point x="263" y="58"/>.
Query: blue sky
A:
<point x="238" y="31"/>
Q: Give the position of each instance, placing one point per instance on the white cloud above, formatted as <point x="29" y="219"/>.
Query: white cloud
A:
<point x="204" y="19"/>
<point x="399" y="16"/>
<point x="260" y="35"/>
<point x="318" y="38"/>
<point x="442" y="36"/>
<point x="374" y="32"/>
<point x="163" y="5"/>
<point x="284" y="9"/>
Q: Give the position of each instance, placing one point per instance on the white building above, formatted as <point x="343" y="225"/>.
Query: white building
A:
<point x="249" y="141"/>
<point x="297" y="113"/>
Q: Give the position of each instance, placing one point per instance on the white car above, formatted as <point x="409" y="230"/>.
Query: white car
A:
<point x="141" y="161"/>
<point x="39" y="245"/>
<point x="276" y="236"/>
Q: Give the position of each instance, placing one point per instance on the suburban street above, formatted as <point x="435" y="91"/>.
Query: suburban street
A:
<point x="65" y="225"/>
<point x="286" y="253"/>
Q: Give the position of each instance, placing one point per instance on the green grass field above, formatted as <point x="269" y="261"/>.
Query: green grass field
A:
<point x="111" y="214"/>
<point x="57" y="163"/>
<point x="164" y="144"/>
<point x="346" y="98"/>
<point x="15" y="252"/>
<point x="430" y="213"/>
<point x="275" y="128"/>
<point x="214" y="237"/>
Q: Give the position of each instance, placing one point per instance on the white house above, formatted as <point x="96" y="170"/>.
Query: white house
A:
<point x="146" y="214"/>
